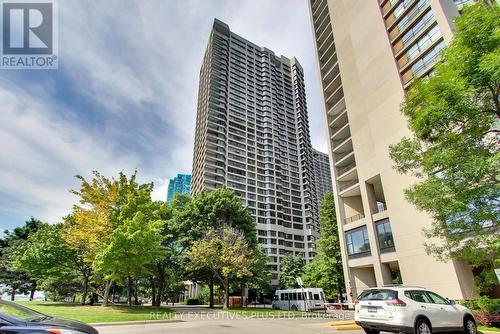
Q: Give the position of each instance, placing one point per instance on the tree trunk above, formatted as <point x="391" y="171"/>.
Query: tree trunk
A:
<point x="136" y="299"/>
<point x="85" y="288"/>
<point x="93" y="298"/>
<point x="242" y="294"/>
<point x="13" y="293"/>
<point x="161" y="285"/>
<point x="211" y="288"/>
<point x="113" y="292"/>
<point x="226" y="293"/>
<point x="129" y="291"/>
<point x="107" y="287"/>
<point x="153" y="291"/>
<point x="32" y="294"/>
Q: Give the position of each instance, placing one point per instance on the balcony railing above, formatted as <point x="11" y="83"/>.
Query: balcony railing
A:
<point x="342" y="170"/>
<point x="340" y="156"/>
<point x="344" y="185"/>
<point x="354" y="218"/>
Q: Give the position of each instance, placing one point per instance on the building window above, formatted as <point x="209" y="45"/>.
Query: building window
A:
<point x="357" y="242"/>
<point x="417" y="27"/>
<point x="411" y="14"/>
<point x="384" y="236"/>
<point x="427" y="60"/>
<point x="423" y="42"/>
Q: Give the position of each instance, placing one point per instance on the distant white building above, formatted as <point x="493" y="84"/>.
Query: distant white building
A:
<point x="192" y="290"/>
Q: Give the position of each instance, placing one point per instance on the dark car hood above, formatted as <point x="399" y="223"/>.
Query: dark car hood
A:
<point x="65" y="323"/>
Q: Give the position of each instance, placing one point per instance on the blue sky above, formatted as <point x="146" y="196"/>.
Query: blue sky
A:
<point x="125" y="93"/>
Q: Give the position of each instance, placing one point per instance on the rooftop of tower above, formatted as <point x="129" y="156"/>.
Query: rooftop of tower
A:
<point x="224" y="29"/>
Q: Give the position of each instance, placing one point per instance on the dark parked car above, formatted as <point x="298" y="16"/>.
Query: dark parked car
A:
<point x="17" y="319"/>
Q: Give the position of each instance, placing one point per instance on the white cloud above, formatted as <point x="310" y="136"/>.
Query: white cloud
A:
<point x="125" y="94"/>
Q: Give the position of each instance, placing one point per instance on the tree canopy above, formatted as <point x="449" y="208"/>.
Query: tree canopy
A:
<point x="325" y="270"/>
<point x="454" y="151"/>
<point x="226" y="253"/>
<point x="291" y="267"/>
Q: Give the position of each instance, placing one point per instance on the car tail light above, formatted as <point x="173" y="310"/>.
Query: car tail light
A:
<point x="396" y="302"/>
<point x="60" y="331"/>
<point x="356" y="302"/>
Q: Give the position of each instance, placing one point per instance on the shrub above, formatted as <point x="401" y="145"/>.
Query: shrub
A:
<point x="193" y="301"/>
<point x="491" y="319"/>
<point x="484" y="304"/>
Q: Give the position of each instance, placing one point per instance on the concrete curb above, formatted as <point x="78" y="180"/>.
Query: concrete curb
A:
<point x="137" y="322"/>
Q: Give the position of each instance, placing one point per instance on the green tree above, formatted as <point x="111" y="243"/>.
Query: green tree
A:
<point x="454" y="152"/>
<point x="46" y="257"/>
<point x="169" y="269"/>
<point x="17" y="279"/>
<point x="326" y="271"/>
<point x="133" y="245"/>
<point x="215" y="209"/>
<point x="104" y="205"/>
<point x="226" y="253"/>
<point x="291" y="267"/>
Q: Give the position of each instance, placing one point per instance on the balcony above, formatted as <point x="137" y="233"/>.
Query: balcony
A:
<point x="323" y="11"/>
<point x="318" y="6"/>
<point x="334" y="98"/>
<point x="339" y="134"/>
<point x="330" y="73"/>
<point x="338" y="122"/>
<point x="354" y="218"/>
<point x="327" y="66"/>
<point x="338" y="157"/>
<point x="327" y="54"/>
<point x="413" y="15"/>
<point x="326" y="44"/>
<point x="348" y="184"/>
<point x="322" y="36"/>
<point x="324" y="24"/>
<point x="336" y="109"/>
<point x="349" y="188"/>
<point x="334" y="84"/>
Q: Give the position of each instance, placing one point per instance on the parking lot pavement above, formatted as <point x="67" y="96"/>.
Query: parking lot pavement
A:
<point x="223" y="326"/>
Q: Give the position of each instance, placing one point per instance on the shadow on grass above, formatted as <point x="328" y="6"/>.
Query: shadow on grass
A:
<point x="119" y="307"/>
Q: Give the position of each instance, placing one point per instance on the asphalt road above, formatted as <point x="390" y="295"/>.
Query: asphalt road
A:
<point x="201" y="320"/>
<point x="223" y="326"/>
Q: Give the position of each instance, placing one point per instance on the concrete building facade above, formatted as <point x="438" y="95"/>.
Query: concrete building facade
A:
<point x="322" y="175"/>
<point x="181" y="184"/>
<point x="252" y="136"/>
<point x="368" y="53"/>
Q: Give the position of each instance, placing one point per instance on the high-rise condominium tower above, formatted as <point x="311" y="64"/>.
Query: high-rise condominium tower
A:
<point x="322" y="175"/>
<point x="368" y="53"/>
<point x="181" y="184"/>
<point x="252" y="136"/>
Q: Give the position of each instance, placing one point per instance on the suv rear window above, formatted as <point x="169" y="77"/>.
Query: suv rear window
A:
<point x="378" y="295"/>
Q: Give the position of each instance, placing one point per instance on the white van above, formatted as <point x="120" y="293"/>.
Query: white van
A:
<point x="306" y="299"/>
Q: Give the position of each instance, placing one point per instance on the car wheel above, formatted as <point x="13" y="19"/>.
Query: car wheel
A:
<point x="423" y="327"/>
<point x="470" y="325"/>
<point x="371" y="331"/>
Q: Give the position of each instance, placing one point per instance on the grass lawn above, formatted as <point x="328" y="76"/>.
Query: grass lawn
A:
<point x="95" y="314"/>
<point x="491" y="329"/>
<point x="258" y="312"/>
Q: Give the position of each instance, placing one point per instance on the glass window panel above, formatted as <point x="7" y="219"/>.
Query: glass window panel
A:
<point x="384" y="234"/>
<point x="357" y="241"/>
<point x="437" y="299"/>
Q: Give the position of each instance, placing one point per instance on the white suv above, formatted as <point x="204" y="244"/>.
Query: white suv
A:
<point x="410" y="310"/>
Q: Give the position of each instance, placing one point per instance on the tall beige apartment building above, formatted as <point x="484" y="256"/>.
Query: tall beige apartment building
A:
<point x="369" y="52"/>
<point x="252" y="136"/>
